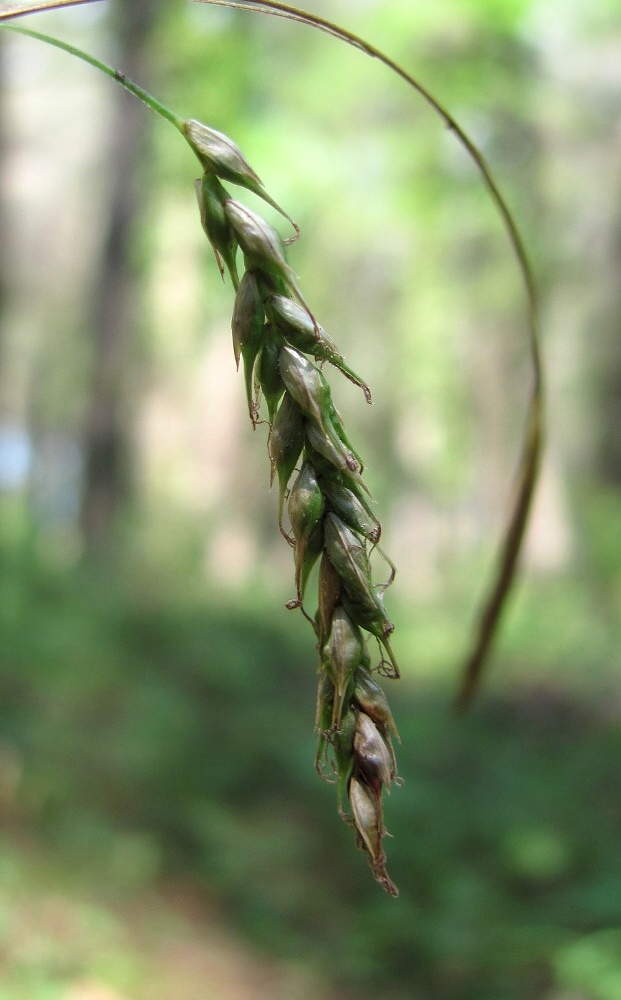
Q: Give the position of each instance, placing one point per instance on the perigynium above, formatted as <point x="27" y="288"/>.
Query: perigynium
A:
<point x="281" y="347"/>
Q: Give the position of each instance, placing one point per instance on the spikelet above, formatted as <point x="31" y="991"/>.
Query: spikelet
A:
<point x="219" y="155"/>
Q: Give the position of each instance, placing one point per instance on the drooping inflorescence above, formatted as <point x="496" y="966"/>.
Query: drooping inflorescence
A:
<point x="331" y="519"/>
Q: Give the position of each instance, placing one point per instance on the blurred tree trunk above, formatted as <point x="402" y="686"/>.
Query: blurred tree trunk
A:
<point x="3" y="222"/>
<point x="609" y="367"/>
<point x="114" y="298"/>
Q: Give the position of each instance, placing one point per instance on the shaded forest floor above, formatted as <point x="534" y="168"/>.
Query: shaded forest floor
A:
<point x="179" y="846"/>
<point x="60" y="940"/>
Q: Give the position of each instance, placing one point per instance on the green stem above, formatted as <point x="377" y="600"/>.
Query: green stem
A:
<point x="114" y="74"/>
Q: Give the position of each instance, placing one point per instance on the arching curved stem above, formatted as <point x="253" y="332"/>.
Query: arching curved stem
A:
<point x="21" y="9"/>
<point x="495" y="601"/>
<point x="114" y="74"/>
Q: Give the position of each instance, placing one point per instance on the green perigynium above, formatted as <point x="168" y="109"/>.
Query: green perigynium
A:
<point x="263" y="247"/>
<point x="221" y="157"/>
<point x="331" y="519"/>
<point x="340" y="657"/>
<point x="324" y="441"/>
<point x="268" y="371"/>
<point x="306" y="384"/>
<point x="219" y="231"/>
<point x="285" y="444"/>
<point x="329" y="589"/>
<point x="306" y="508"/>
<point x="248" y="317"/>
<point x="301" y="332"/>
<point x="356" y="514"/>
<point x="247" y="328"/>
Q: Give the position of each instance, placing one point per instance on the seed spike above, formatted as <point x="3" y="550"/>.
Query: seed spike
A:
<point x="329" y="505"/>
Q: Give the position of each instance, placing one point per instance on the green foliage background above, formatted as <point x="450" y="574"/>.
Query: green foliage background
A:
<point x="156" y="701"/>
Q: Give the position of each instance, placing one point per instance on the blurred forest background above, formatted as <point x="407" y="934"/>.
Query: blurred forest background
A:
<point x="163" y="833"/>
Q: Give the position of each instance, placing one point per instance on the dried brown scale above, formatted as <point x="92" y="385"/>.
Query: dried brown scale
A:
<point x="328" y="504"/>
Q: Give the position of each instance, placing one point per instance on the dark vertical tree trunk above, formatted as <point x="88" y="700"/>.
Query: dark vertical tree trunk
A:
<point x="114" y="297"/>
<point x="608" y="368"/>
<point x="3" y="221"/>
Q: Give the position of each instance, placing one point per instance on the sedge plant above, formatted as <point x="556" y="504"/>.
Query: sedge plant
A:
<point x="325" y="511"/>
